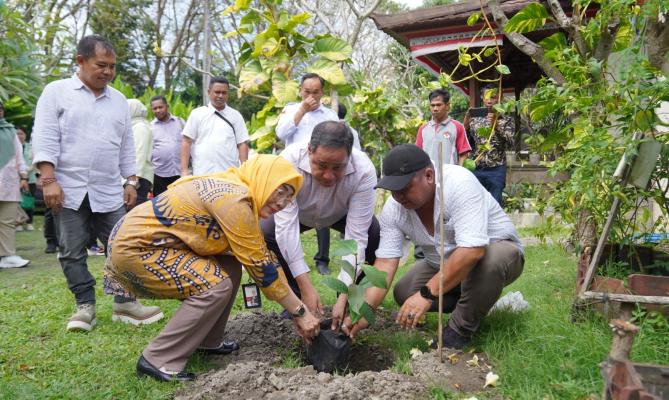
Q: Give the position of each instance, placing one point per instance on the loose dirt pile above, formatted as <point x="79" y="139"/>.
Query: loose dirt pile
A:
<point x="251" y="373"/>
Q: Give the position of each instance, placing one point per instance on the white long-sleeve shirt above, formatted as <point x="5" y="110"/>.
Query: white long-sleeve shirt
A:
<point x="318" y="206"/>
<point x="88" y="140"/>
<point x="290" y="133"/>
<point x="472" y="218"/>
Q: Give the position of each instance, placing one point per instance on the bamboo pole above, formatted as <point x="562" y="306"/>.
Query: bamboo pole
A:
<point x="440" y="169"/>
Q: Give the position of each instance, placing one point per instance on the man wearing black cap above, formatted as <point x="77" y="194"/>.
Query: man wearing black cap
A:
<point x="482" y="251"/>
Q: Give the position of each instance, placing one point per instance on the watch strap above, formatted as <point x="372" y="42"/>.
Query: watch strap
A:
<point x="427" y="294"/>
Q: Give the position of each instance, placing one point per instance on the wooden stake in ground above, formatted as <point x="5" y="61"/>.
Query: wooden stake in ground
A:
<point x="440" y="169"/>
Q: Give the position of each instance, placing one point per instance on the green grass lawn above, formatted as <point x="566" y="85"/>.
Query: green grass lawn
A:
<point x="538" y="354"/>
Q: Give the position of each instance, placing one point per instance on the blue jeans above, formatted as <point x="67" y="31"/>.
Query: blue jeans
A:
<point x="493" y="180"/>
<point x="73" y="235"/>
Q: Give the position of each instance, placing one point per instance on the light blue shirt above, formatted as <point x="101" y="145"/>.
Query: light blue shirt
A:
<point x="290" y="133"/>
<point x="88" y="140"/>
<point x="166" y="146"/>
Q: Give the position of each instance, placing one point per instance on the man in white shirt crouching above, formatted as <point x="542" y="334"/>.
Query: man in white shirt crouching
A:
<point x="337" y="193"/>
<point x="482" y="252"/>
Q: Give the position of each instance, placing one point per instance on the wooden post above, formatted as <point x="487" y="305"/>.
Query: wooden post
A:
<point x="623" y="334"/>
<point x="472" y="92"/>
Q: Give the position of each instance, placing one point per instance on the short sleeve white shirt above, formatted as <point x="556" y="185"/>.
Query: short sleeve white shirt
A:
<point x="215" y="141"/>
<point x="472" y="218"/>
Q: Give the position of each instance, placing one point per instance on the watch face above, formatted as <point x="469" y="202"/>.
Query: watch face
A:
<point x="301" y="310"/>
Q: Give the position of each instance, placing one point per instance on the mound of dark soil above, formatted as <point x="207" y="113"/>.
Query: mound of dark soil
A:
<point x="250" y="373"/>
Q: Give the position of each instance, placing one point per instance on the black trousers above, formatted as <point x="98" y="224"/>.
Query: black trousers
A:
<point x="323" y="239"/>
<point x="160" y="183"/>
<point x="373" y="238"/>
<point x="50" y="228"/>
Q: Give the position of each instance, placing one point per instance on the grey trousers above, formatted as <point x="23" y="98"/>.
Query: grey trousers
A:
<point x="470" y="301"/>
<point x="72" y="228"/>
<point x="199" y="322"/>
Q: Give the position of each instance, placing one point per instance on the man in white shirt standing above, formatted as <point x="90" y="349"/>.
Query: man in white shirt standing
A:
<point x="296" y="123"/>
<point x="337" y="193"/>
<point x="84" y="147"/>
<point x="482" y="251"/>
<point x="215" y="135"/>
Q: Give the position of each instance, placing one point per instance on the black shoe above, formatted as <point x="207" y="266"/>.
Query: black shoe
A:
<point x="322" y="268"/>
<point x="51" y="248"/>
<point x="452" y="339"/>
<point x="226" y="347"/>
<point x="144" y="368"/>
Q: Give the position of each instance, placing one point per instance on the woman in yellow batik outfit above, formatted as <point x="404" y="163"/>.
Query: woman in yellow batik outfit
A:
<point x="188" y="244"/>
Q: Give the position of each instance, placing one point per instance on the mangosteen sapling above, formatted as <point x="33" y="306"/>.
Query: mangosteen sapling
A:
<point x="357" y="307"/>
<point x="330" y="350"/>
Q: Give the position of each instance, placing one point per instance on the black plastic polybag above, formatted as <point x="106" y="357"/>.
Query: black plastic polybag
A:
<point x="330" y="350"/>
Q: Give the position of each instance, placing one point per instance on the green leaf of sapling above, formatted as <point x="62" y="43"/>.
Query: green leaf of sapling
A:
<point x="335" y="284"/>
<point x="378" y="278"/>
<point x="367" y="312"/>
<point x="341" y="248"/>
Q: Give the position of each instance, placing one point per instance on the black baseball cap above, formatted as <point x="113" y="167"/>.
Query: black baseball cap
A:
<point x="401" y="164"/>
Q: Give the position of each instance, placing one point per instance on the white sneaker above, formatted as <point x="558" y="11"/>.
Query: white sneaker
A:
<point x="30" y="227"/>
<point x="13" y="262"/>
<point x="19" y="228"/>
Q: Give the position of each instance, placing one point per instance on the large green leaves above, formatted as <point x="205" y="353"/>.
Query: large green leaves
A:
<point x="266" y="44"/>
<point x="556" y="41"/>
<point x="288" y="23"/>
<point x="328" y="70"/>
<point x="19" y="59"/>
<point x="529" y="19"/>
<point x="251" y="77"/>
<point x="283" y="89"/>
<point x="333" y="49"/>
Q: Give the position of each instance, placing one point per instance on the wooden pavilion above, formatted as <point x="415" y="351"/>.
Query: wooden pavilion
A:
<point x="433" y="36"/>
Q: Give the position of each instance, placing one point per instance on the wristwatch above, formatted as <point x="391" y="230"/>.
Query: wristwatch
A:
<point x="427" y="294"/>
<point x="132" y="183"/>
<point x="299" y="311"/>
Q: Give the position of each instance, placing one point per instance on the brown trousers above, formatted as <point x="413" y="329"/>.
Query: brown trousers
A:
<point x="470" y="301"/>
<point x="199" y="322"/>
